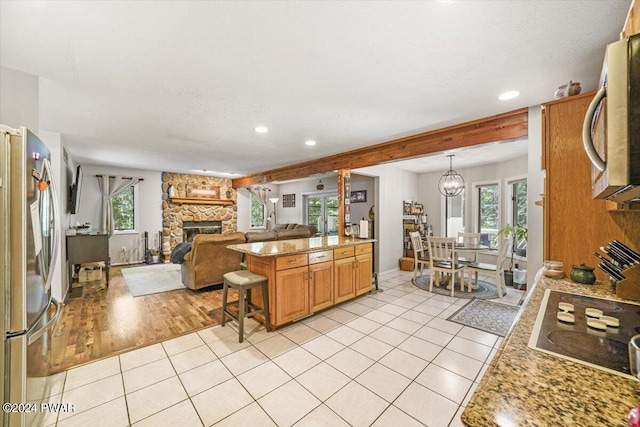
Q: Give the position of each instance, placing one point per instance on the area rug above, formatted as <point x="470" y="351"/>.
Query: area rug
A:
<point x="152" y="279"/>
<point x="488" y="316"/>
<point x="485" y="289"/>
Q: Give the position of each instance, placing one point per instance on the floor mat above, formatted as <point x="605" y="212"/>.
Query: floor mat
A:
<point x="151" y="279"/>
<point x="488" y="316"/>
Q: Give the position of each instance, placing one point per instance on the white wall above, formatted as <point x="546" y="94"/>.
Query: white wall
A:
<point x="393" y="187"/>
<point x="244" y="209"/>
<point x="149" y="197"/>
<point x="19" y="100"/>
<point x="361" y="210"/>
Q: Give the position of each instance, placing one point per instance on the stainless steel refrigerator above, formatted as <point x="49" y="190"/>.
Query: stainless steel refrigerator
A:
<point x="29" y="235"/>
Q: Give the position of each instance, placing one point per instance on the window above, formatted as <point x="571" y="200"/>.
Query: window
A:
<point x="519" y="202"/>
<point x="454" y="213"/>
<point x="124" y="211"/>
<point x="488" y="213"/>
<point x="257" y="212"/>
<point x="322" y="211"/>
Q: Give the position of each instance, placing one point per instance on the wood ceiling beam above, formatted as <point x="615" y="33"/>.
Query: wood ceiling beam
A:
<point x="501" y="127"/>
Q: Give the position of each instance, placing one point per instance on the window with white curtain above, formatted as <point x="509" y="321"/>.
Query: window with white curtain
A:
<point x="124" y="210"/>
<point x="258" y="212"/>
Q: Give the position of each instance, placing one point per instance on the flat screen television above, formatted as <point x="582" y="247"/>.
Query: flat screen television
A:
<point x="74" y="193"/>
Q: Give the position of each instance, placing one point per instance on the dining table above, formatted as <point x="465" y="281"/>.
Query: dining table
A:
<point x="465" y="247"/>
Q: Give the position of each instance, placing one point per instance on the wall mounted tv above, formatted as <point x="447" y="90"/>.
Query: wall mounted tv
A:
<point x="74" y="193"/>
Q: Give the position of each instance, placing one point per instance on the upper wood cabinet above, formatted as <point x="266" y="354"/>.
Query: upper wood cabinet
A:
<point x="575" y="225"/>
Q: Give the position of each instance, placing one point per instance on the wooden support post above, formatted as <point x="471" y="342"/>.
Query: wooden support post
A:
<point x="344" y="201"/>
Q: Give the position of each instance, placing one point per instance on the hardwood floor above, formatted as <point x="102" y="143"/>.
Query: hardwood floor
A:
<point x="108" y="321"/>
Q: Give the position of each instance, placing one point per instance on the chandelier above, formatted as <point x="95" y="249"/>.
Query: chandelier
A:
<point x="451" y="183"/>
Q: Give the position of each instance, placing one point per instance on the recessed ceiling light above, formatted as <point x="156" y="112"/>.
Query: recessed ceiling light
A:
<point x="509" y="95"/>
<point x="310" y="142"/>
<point x="261" y="129"/>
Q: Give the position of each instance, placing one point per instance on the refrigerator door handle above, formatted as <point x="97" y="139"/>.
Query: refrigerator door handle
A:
<point x="46" y="167"/>
<point x="34" y="336"/>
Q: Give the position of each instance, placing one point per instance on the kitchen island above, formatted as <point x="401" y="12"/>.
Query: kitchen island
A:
<point x="309" y="275"/>
<point x="527" y="387"/>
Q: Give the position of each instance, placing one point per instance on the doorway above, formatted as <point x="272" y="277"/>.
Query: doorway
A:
<point x="322" y="211"/>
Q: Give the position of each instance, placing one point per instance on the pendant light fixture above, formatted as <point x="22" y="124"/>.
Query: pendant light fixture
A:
<point x="320" y="186"/>
<point x="451" y="184"/>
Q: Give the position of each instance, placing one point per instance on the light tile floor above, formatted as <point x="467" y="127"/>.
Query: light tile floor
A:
<point x="389" y="359"/>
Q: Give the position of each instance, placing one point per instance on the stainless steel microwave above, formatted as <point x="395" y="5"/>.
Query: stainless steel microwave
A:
<point x="611" y="130"/>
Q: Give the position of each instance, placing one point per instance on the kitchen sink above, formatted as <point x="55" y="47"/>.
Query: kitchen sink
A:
<point x="599" y="345"/>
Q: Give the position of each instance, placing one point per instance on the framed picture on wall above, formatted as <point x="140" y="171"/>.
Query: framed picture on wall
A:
<point x="359" y="196"/>
<point x="203" y="191"/>
<point x="289" y="201"/>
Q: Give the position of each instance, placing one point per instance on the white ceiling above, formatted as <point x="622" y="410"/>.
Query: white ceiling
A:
<point x="180" y="85"/>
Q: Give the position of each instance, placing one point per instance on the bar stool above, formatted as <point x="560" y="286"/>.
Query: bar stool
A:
<point x="243" y="280"/>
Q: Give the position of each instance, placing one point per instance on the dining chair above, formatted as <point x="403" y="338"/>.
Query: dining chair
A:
<point x="443" y="260"/>
<point x="496" y="269"/>
<point x="420" y="259"/>
<point x="468" y="239"/>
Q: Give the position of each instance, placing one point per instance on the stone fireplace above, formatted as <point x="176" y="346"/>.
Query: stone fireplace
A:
<point x="183" y="216"/>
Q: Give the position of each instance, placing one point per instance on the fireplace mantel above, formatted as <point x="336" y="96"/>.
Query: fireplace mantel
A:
<point x="199" y="201"/>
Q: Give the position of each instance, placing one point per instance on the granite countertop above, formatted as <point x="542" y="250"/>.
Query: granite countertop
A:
<point x="295" y="246"/>
<point x="526" y="387"/>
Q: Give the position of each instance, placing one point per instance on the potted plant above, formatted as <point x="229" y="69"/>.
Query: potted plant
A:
<point x="519" y="234"/>
<point x="154" y="255"/>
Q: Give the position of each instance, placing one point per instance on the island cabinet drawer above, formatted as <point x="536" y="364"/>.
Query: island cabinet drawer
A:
<point x="291" y="261"/>
<point x="343" y="252"/>
<point x="322" y="256"/>
<point x="364" y="249"/>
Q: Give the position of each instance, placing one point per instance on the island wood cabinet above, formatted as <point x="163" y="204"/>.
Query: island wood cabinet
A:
<point x="321" y="283"/>
<point x="302" y="284"/>
<point x="364" y="269"/>
<point x="292" y="294"/>
<point x="345" y="274"/>
<point x="353" y="272"/>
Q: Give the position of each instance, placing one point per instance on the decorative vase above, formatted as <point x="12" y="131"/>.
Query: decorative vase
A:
<point x="508" y="278"/>
<point x="583" y="274"/>
<point x="569" y="89"/>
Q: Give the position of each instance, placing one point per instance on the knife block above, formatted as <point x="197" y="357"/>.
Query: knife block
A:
<point x="629" y="288"/>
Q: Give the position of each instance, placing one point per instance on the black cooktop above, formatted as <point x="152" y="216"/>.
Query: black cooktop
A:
<point x="607" y="349"/>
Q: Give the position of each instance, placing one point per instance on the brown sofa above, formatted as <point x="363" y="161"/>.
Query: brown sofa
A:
<point x="282" y="227"/>
<point x="282" y="232"/>
<point x="209" y="259"/>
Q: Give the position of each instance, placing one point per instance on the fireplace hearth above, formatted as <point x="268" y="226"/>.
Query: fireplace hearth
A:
<point x="191" y="228"/>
